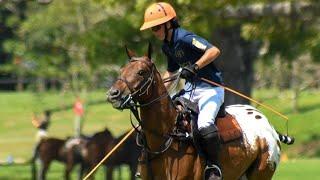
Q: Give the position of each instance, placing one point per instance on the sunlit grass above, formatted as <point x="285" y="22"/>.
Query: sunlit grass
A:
<point x="17" y="135"/>
<point x="295" y="169"/>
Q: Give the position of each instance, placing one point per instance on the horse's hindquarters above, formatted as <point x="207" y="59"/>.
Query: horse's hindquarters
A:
<point x="257" y="153"/>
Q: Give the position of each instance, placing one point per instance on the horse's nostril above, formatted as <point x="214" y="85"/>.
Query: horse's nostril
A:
<point x="114" y="93"/>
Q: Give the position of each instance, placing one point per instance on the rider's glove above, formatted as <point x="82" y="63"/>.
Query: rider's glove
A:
<point x="189" y="72"/>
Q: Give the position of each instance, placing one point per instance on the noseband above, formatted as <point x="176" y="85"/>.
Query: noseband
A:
<point x="144" y="88"/>
<point x="129" y="101"/>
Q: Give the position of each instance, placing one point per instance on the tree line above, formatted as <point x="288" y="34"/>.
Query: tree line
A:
<point x="79" y="45"/>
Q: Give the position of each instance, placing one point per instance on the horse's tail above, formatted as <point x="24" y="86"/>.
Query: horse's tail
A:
<point x="286" y="139"/>
<point x="33" y="160"/>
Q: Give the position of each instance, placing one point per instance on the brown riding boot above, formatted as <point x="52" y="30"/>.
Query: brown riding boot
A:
<point x="210" y="144"/>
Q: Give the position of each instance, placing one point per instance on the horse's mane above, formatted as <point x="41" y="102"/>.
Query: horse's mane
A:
<point x="104" y="133"/>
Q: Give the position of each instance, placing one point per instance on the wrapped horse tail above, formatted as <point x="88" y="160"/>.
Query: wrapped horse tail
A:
<point x="286" y="139"/>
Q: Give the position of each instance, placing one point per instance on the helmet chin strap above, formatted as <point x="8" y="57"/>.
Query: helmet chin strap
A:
<point x="166" y="32"/>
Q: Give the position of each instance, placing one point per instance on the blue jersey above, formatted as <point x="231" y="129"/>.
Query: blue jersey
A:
<point x="186" y="48"/>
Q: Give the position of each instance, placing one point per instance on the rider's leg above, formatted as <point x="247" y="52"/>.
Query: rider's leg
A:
<point x="209" y="105"/>
<point x="209" y="101"/>
<point x="210" y="145"/>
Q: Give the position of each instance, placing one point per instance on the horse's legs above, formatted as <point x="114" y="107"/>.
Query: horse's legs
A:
<point x="34" y="172"/>
<point x="87" y="169"/>
<point x="133" y="170"/>
<point x="109" y="172"/>
<point x="44" y="166"/>
<point x="260" y="174"/>
<point x="119" y="172"/>
<point x="82" y="170"/>
<point x="261" y="168"/>
<point x="69" y="167"/>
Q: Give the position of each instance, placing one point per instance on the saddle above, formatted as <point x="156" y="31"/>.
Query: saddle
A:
<point x="227" y="125"/>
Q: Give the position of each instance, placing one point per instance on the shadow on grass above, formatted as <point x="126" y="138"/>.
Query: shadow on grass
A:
<point x="309" y="107"/>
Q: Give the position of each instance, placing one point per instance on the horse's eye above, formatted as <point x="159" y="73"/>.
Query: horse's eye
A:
<point x="141" y="72"/>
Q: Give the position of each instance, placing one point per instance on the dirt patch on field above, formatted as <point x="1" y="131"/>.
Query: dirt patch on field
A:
<point x="310" y="148"/>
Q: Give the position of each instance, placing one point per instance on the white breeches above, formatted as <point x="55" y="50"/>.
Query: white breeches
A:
<point x="209" y="100"/>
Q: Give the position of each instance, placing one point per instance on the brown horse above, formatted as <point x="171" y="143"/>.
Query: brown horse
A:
<point x="95" y="148"/>
<point x="50" y="149"/>
<point x="255" y="155"/>
<point x="127" y="154"/>
<point x="101" y="143"/>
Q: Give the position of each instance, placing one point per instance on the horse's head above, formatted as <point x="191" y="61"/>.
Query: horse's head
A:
<point x="135" y="81"/>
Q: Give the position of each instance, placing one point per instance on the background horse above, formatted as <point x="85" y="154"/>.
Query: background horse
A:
<point x="127" y="154"/>
<point x="49" y="149"/>
<point x="96" y="148"/>
<point x="101" y="143"/>
<point x="255" y="155"/>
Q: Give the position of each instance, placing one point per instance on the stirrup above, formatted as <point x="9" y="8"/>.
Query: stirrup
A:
<point x="217" y="172"/>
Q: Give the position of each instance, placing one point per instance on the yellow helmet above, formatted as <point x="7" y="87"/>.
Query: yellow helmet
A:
<point x="156" y="14"/>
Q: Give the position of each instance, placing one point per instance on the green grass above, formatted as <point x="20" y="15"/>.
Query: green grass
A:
<point x="56" y="172"/>
<point x="302" y="125"/>
<point x="306" y="169"/>
<point x="17" y="135"/>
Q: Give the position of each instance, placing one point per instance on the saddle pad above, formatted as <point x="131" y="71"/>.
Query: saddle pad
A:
<point x="229" y="128"/>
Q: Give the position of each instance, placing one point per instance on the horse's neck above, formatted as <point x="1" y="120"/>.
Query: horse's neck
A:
<point x="158" y="118"/>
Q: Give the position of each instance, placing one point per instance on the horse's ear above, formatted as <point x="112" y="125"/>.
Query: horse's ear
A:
<point x="129" y="52"/>
<point x="149" y="50"/>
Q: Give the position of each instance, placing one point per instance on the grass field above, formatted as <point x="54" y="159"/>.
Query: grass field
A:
<point x="17" y="109"/>
<point x="22" y="172"/>
<point x="306" y="169"/>
<point x="17" y="135"/>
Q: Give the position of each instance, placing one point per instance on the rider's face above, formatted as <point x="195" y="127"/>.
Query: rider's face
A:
<point x="158" y="32"/>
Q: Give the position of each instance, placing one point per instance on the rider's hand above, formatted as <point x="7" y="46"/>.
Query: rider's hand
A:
<point x="189" y="72"/>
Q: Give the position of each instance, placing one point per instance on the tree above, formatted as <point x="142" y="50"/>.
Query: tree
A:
<point x="287" y="29"/>
<point x="11" y="15"/>
<point x="240" y="29"/>
<point x="59" y="48"/>
<point x="90" y="35"/>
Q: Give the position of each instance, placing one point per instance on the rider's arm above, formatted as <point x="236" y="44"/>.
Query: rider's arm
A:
<point x="210" y="55"/>
<point x="200" y="45"/>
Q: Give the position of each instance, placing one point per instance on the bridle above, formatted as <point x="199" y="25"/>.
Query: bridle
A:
<point x="130" y="102"/>
<point x="143" y="88"/>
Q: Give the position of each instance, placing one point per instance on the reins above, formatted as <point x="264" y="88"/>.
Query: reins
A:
<point x="175" y="76"/>
<point x="130" y="103"/>
<point x="133" y="106"/>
